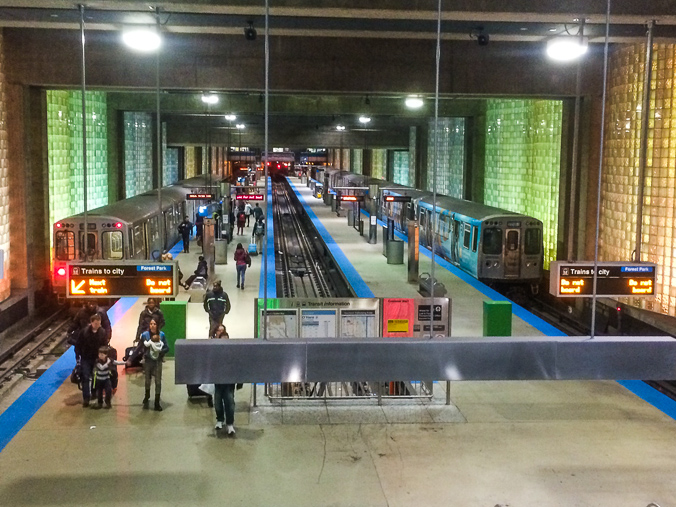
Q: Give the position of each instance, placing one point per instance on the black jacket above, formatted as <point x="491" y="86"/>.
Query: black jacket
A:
<point x="83" y="318"/>
<point x="217" y="303"/>
<point x="202" y="269"/>
<point x="88" y="343"/>
<point x="185" y="229"/>
<point x="144" y="320"/>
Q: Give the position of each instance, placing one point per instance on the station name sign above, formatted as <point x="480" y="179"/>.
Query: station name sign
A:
<point x="111" y="280"/>
<point x="249" y="197"/>
<point x="199" y="197"/>
<point x="613" y="279"/>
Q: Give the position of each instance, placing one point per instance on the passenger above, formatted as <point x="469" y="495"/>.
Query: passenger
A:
<point x="217" y="305"/>
<point x="224" y="395"/>
<point x="242" y="260"/>
<point x="155" y="347"/>
<point x="199" y="222"/>
<point x="248" y="211"/>
<point x="201" y="270"/>
<point x="151" y="311"/>
<point x="185" y="230"/>
<point x="103" y="372"/>
<point x="258" y="212"/>
<point x="241" y="221"/>
<point x="259" y="234"/>
<point x="87" y="349"/>
<point x="82" y="320"/>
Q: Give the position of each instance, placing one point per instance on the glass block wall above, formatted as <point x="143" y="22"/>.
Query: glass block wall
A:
<point x="4" y="183"/>
<point x="412" y="153"/>
<point x="356" y="161"/>
<point x="190" y="168"/>
<point x="138" y="153"/>
<point x="620" y="182"/>
<point x="169" y="160"/>
<point x="450" y="153"/>
<point x="400" y="167"/>
<point x="379" y="163"/>
<point x="345" y="159"/>
<point x="523" y="158"/>
<point x="65" y="155"/>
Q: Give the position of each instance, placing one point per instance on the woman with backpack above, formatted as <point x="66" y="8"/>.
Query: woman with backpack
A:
<point x="259" y="234"/>
<point x="241" y="220"/>
<point x="242" y="260"/>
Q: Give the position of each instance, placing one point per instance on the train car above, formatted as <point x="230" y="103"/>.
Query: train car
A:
<point x="280" y="164"/>
<point x="127" y="229"/>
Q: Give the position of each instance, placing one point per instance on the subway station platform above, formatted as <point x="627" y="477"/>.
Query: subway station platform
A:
<point x="547" y="443"/>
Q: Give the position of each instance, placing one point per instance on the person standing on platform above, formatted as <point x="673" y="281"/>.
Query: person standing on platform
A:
<point x="248" y="211"/>
<point x="103" y="372"/>
<point x="258" y="212"/>
<point x="185" y="230"/>
<point x="217" y="305"/>
<point x="259" y="234"/>
<point x="224" y="395"/>
<point x="150" y="312"/>
<point x="242" y="260"/>
<point x="155" y="347"/>
<point x="241" y="221"/>
<point x="87" y="349"/>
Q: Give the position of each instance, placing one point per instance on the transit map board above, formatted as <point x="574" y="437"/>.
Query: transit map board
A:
<point x="120" y="279"/>
<point x="614" y="279"/>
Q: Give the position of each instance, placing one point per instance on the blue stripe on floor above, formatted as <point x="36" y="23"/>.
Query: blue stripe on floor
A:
<point x="658" y="400"/>
<point x="20" y="412"/>
<point x="268" y="270"/>
<point x="353" y="278"/>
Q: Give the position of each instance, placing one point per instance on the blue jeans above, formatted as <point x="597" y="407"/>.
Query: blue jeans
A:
<point x="104" y="386"/>
<point x="224" y="401"/>
<point x="241" y="271"/>
<point x="87" y="368"/>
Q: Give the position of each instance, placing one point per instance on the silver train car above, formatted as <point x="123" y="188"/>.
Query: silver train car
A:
<point x="127" y="229"/>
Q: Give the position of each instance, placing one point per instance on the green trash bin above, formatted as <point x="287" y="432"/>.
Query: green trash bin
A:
<point x="175" y="322"/>
<point x="497" y="318"/>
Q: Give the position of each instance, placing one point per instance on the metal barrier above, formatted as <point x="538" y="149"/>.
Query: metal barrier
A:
<point x="349" y="390"/>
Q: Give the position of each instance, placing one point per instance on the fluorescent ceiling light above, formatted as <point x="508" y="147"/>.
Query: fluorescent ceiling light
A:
<point x="364" y="119"/>
<point x="340" y="127"/>
<point x="209" y="98"/>
<point x="240" y="126"/>
<point x="144" y="39"/>
<point x="230" y="117"/>
<point x="413" y="102"/>
<point x="565" y="49"/>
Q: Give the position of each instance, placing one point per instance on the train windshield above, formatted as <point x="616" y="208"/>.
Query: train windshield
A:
<point x="64" y="244"/>
<point x="91" y="245"/>
<point x="533" y="241"/>
<point x="512" y="240"/>
<point x="492" y="241"/>
<point x="111" y="245"/>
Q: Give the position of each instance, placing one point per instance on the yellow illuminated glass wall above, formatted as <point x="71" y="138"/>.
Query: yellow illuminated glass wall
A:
<point x="379" y="163"/>
<point x="4" y="183"/>
<point x="190" y="167"/>
<point x="356" y="161"/>
<point x="523" y="161"/>
<point x="620" y="178"/>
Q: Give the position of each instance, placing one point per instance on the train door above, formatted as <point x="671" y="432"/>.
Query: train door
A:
<point x="92" y="251"/>
<point x="512" y="253"/>
<point x="455" y="249"/>
<point x="426" y="227"/>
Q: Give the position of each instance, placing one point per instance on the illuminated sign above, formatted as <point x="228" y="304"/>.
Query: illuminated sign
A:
<point x="397" y="198"/>
<point x="352" y="198"/>
<point x="614" y="279"/>
<point x="249" y="197"/>
<point x="199" y="197"/>
<point x="111" y="280"/>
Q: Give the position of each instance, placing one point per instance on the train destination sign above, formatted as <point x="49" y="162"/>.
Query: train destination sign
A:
<point x="397" y="198"/>
<point x="119" y="279"/>
<point x="352" y="198"/>
<point x="249" y="197"/>
<point x="199" y="197"/>
<point x="614" y="279"/>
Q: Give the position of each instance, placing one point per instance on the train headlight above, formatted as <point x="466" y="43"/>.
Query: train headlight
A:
<point x="61" y="271"/>
<point x="496" y="264"/>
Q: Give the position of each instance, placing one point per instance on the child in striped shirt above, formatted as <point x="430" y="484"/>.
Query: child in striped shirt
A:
<point x="102" y="381"/>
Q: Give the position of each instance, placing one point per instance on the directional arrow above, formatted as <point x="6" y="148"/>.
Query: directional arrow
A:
<point x="76" y="289"/>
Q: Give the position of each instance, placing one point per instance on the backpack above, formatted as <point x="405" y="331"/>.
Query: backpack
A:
<point x="241" y="216"/>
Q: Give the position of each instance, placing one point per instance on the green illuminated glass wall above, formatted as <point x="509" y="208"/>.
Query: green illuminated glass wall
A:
<point x="450" y="156"/>
<point x="138" y="153"/>
<point x="169" y="160"/>
<point x="400" y="167"/>
<point x="523" y="161"/>
<point x="356" y="161"/>
<point x="412" y="152"/>
<point x="379" y="163"/>
<point x="65" y="154"/>
<point x="620" y="178"/>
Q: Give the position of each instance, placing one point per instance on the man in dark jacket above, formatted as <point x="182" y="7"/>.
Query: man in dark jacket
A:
<point x="82" y="320"/>
<point x="216" y="304"/>
<point x="87" y="349"/>
<point x="185" y="230"/>
<point x="151" y="311"/>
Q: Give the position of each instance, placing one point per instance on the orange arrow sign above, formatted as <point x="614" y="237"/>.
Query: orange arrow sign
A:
<point x="76" y="290"/>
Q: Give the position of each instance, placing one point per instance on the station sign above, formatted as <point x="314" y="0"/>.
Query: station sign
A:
<point x="120" y="279"/>
<point x="397" y="198"/>
<point x="352" y="198"/>
<point x="200" y="197"/>
<point x="614" y="279"/>
<point x="249" y="197"/>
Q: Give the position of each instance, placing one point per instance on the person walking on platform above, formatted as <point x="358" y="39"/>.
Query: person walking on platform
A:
<point x="185" y="230"/>
<point x="224" y="395"/>
<point x="258" y="212"/>
<point x="82" y="320"/>
<point x="202" y="270"/>
<point x="259" y="234"/>
<point x="150" y="312"/>
<point x="242" y="260"/>
<point x="103" y="371"/>
<point x="217" y="305"/>
<point x="241" y="221"/>
<point x="155" y="346"/>
<point x="87" y="349"/>
<point x="248" y="211"/>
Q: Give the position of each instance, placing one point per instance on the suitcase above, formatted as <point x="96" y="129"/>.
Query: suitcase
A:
<point x="194" y="391"/>
<point x="253" y="249"/>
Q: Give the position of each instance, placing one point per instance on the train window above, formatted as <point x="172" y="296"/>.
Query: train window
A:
<point x="475" y="237"/>
<point x="466" y="237"/>
<point x="91" y="245"/>
<point x="64" y="244"/>
<point x="111" y="245"/>
<point x="131" y="243"/>
<point x="444" y="228"/>
<point x="154" y="229"/>
<point x="138" y="241"/>
<point x="512" y="240"/>
<point x="492" y="241"/>
<point x="532" y="241"/>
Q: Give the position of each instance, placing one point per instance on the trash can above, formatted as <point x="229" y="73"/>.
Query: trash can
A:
<point x="175" y="318"/>
<point x="395" y="252"/>
<point x="497" y="318"/>
<point x="350" y="217"/>
<point x="221" y="250"/>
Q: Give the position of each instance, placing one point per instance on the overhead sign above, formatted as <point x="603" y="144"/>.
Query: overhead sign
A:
<point x="199" y="197"/>
<point x="352" y="198"/>
<point x="397" y="198"/>
<point x="119" y="279"/>
<point x="249" y="197"/>
<point x="614" y="279"/>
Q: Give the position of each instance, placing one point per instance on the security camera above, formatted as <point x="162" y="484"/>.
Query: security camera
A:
<point x="250" y="32"/>
<point x="482" y="39"/>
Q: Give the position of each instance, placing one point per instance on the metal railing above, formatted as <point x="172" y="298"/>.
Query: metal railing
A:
<point x="349" y="390"/>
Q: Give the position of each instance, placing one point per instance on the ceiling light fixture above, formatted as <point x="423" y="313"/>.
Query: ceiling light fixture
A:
<point x="414" y="102"/>
<point x="240" y="126"/>
<point x="340" y="127"/>
<point x="364" y="119"/>
<point x="145" y="40"/>
<point x="210" y="98"/>
<point x="566" y="49"/>
<point x="230" y="117"/>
